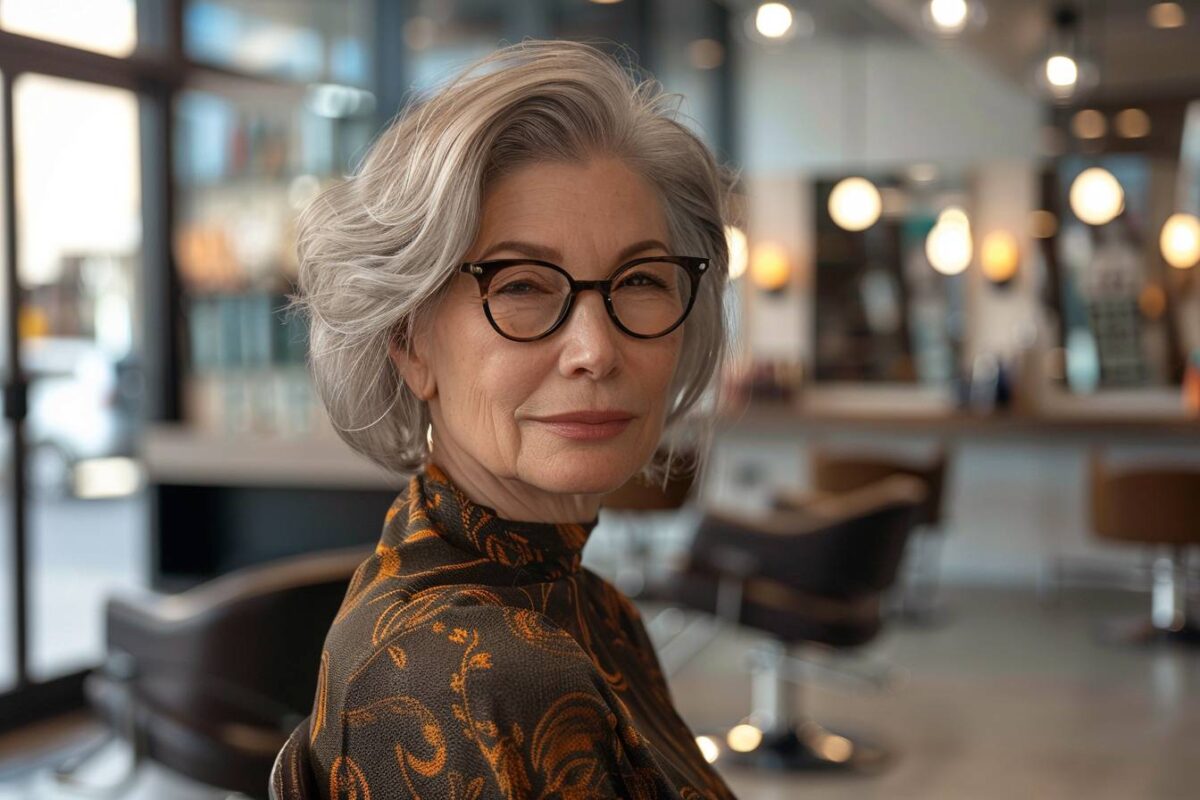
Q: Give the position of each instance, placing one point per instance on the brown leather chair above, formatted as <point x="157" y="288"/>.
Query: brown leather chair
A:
<point x="843" y="472"/>
<point x="1158" y="507"/>
<point x="210" y="682"/>
<point x="809" y="576"/>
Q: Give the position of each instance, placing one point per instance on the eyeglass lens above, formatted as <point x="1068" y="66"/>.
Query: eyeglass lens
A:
<point x="526" y="299"/>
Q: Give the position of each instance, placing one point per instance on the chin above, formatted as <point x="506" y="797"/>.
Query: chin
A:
<point x="586" y="471"/>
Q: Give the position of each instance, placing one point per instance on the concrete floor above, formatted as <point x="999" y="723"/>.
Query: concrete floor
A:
<point x="1008" y="698"/>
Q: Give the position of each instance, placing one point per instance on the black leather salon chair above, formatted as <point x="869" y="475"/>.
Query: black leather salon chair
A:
<point x="837" y="472"/>
<point x="809" y="576"/>
<point x="210" y="682"/>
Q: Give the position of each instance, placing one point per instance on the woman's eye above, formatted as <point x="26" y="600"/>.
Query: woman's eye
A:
<point x="643" y="280"/>
<point x="517" y="287"/>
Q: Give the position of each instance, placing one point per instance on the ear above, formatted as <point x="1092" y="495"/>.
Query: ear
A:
<point x="413" y="364"/>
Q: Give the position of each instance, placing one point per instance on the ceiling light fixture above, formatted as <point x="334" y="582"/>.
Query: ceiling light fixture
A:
<point x="1096" y="196"/>
<point x="949" y="244"/>
<point x="773" y="20"/>
<point x="855" y="204"/>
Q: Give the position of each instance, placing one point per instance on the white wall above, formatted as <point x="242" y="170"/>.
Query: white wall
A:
<point x="917" y="106"/>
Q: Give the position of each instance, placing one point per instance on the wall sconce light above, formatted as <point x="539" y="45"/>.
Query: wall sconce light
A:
<point x="769" y="268"/>
<point x="999" y="257"/>
<point x="1180" y="240"/>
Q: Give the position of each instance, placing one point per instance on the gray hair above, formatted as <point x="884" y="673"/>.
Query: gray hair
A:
<point x="378" y="249"/>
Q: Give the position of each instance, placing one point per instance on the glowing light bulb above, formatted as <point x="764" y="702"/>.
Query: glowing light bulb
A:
<point x="953" y="215"/>
<point x="1062" y="71"/>
<point x="1089" y="123"/>
<point x="1180" y="241"/>
<point x="744" y="738"/>
<point x="1132" y="123"/>
<point x="1096" y="196"/>
<point x="855" y="204"/>
<point x="999" y="256"/>
<point x="950" y="16"/>
<point x="949" y="245"/>
<point x="773" y="20"/>
<point x="739" y="251"/>
<point x="708" y="748"/>
<point x="769" y="268"/>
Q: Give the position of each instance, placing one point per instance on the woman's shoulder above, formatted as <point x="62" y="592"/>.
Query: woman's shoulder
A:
<point x="443" y="630"/>
<point x="449" y="661"/>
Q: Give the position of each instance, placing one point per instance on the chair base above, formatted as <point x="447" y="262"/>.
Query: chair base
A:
<point x="809" y="747"/>
<point x="1142" y="631"/>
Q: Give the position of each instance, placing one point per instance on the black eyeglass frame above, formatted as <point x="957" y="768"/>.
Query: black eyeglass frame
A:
<point x="483" y="271"/>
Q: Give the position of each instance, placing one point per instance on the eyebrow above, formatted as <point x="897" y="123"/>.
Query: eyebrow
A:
<point x="550" y="254"/>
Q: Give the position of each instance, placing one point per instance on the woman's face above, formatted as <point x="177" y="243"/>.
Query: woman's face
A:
<point x="488" y="395"/>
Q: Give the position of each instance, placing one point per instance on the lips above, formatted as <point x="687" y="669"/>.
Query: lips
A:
<point x="588" y="417"/>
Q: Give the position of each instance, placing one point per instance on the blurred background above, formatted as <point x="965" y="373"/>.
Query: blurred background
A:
<point x="965" y="255"/>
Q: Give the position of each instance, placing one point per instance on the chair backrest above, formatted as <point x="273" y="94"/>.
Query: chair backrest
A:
<point x="1153" y="504"/>
<point x="838" y="472"/>
<point x="242" y="648"/>
<point x="292" y="776"/>
<point x="851" y="548"/>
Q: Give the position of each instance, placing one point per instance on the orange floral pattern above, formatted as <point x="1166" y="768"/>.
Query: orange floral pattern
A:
<point x="474" y="657"/>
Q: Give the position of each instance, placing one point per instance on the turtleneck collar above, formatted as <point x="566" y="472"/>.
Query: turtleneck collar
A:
<point x="433" y="504"/>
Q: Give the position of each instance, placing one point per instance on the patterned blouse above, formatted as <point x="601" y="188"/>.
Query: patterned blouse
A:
<point x="473" y="657"/>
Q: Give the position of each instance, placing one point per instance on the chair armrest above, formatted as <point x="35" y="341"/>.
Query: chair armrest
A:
<point x="796" y="499"/>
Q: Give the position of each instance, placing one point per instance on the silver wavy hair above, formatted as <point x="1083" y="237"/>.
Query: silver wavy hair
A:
<point x="378" y="249"/>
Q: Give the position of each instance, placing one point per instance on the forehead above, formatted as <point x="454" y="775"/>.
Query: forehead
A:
<point x="599" y="203"/>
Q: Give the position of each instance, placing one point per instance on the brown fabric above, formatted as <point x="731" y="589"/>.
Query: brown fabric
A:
<point x="473" y="657"/>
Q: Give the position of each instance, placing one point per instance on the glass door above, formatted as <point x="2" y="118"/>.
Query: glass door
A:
<point x="73" y="520"/>
<point x="78" y="178"/>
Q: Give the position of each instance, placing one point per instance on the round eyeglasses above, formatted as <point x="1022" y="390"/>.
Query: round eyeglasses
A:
<point x="526" y="299"/>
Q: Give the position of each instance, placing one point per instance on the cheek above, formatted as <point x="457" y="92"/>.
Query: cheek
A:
<point x="482" y="378"/>
<point x="653" y="367"/>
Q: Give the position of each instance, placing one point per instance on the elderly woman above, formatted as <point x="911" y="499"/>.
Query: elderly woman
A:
<point x="514" y="300"/>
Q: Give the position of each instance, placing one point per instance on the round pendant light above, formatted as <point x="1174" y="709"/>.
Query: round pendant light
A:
<point x="949" y="245"/>
<point x="1096" y="196"/>
<point x="855" y="204"/>
<point x="1180" y="240"/>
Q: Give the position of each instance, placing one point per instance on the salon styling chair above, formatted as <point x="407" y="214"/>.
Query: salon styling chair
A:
<point x="1157" y="507"/>
<point x="807" y="578"/>
<point x="210" y="682"/>
<point x="915" y="596"/>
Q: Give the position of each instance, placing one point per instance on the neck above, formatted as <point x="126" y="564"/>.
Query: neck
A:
<point x="510" y="497"/>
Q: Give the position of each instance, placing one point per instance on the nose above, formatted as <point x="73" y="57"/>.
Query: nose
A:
<point x="590" y="344"/>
